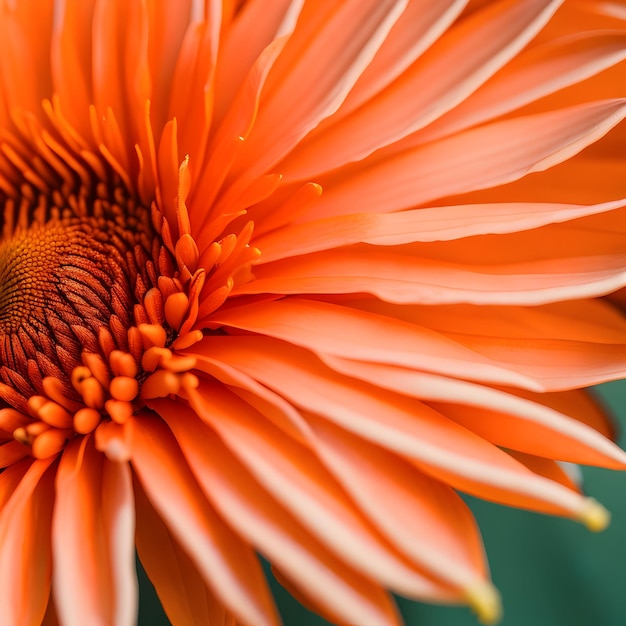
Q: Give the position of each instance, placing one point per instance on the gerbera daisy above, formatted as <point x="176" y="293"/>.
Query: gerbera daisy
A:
<point x="282" y="278"/>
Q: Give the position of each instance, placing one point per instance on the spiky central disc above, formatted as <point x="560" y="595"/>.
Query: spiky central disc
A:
<point x="55" y="276"/>
<point x="71" y="274"/>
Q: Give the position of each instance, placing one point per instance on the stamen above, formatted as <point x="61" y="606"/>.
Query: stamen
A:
<point x="97" y="290"/>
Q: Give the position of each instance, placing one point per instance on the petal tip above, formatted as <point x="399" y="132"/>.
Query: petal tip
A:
<point x="594" y="516"/>
<point x="484" y="599"/>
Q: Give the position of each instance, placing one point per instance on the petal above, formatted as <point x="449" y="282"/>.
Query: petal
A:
<point x="346" y="332"/>
<point x="425" y="519"/>
<point x="71" y="60"/>
<point x="26" y="561"/>
<point x="404" y="279"/>
<point x="315" y="76"/>
<point x="483" y="157"/>
<point x="181" y="589"/>
<point x="436" y="444"/>
<point x="262" y="521"/>
<point x="452" y="68"/>
<point x="444" y="223"/>
<point x="534" y="73"/>
<point x="26" y="45"/>
<point x="540" y="424"/>
<point x="294" y="476"/>
<point x="421" y="24"/>
<point x="560" y="346"/>
<point x="257" y="25"/>
<point x="226" y="563"/>
<point x="93" y="537"/>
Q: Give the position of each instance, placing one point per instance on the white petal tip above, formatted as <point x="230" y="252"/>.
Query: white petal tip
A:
<point x="594" y="516"/>
<point x="484" y="599"/>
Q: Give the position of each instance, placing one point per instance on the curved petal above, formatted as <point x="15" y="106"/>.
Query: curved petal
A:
<point x="475" y="159"/>
<point x="532" y="74"/>
<point x="26" y="562"/>
<point x="295" y="477"/>
<point x="344" y="331"/>
<point x="225" y="562"/>
<point x="181" y="589"/>
<point x="452" y="68"/>
<point x="403" y="279"/>
<point x="445" y="223"/>
<point x="256" y="26"/>
<point x="421" y="24"/>
<point x="262" y="520"/>
<point x="93" y="531"/>
<point x="540" y="424"/>
<point x="315" y="75"/>
<point x="436" y="444"/>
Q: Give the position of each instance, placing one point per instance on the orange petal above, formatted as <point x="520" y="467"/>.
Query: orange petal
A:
<point x="436" y="444"/>
<point x="445" y="223"/>
<point x="315" y="75"/>
<point x="93" y="538"/>
<point x="490" y="155"/>
<point x="269" y="527"/>
<point x="225" y="562"/>
<point x="461" y="60"/>
<point x="182" y="591"/>
<point x="346" y="332"/>
<point x="559" y="430"/>
<point x="295" y="478"/>
<point x="26" y="561"/>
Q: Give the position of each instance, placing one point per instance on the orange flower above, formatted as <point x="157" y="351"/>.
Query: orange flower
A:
<point x="283" y="277"/>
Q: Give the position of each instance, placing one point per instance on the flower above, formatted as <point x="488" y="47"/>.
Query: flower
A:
<point x="282" y="278"/>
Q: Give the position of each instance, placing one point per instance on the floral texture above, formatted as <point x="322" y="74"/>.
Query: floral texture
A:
<point x="282" y="278"/>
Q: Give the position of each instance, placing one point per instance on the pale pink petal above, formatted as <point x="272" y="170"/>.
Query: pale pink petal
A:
<point x="26" y="561"/>
<point x="225" y="562"/>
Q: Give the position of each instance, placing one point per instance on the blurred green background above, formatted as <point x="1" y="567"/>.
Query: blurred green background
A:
<point x="551" y="572"/>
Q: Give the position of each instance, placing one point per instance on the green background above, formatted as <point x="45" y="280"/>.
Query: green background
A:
<point x="550" y="571"/>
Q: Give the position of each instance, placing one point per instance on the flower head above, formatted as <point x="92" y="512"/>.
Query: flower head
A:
<point x="282" y="279"/>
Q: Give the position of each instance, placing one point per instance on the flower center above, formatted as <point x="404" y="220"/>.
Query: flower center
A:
<point x="89" y="303"/>
<point x="65" y="278"/>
